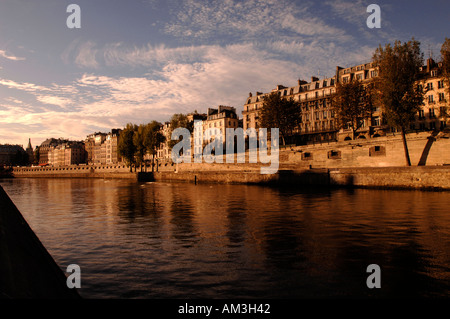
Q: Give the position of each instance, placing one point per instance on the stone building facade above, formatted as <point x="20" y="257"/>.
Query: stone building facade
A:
<point x="319" y="123"/>
<point x="70" y="153"/>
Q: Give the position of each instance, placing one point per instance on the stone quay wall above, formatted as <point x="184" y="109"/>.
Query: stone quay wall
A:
<point x="377" y="162"/>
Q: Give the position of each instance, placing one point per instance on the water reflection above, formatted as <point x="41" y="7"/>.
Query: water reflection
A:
<point x="179" y="240"/>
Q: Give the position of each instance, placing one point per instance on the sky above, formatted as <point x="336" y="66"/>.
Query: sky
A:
<point x="142" y="60"/>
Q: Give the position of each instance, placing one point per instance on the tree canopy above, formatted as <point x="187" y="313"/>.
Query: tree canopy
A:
<point x="179" y="121"/>
<point x="126" y="147"/>
<point x="398" y="69"/>
<point x="445" y="59"/>
<point x="281" y="113"/>
<point x="353" y="104"/>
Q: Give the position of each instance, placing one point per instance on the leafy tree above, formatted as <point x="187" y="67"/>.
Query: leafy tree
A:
<point x="445" y="59"/>
<point x="353" y="104"/>
<point x="281" y="113"/>
<point x="152" y="139"/>
<point x="179" y="121"/>
<point x="37" y="155"/>
<point x="138" y="141"/>
<point x="395" y="85"/>
<point x="126" y="147"/>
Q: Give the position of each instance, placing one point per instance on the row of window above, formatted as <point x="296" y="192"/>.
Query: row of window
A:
<point x="431" y="126"/>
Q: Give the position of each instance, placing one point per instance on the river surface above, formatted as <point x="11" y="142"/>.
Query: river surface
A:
<point x="180" y="240"/>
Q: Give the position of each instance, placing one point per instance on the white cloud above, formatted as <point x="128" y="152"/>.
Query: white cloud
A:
<point x="251" y="19"/>
<point x="86" y="56"/>
<point x="10" y="57"/>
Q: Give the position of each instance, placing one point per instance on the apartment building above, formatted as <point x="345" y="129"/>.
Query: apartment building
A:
<point x="69" y="153"/>
<point x="318" y="122"/>
<point x="434" y="113"/>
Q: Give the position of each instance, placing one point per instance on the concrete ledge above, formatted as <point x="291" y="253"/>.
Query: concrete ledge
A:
<point x="26" y="268"/>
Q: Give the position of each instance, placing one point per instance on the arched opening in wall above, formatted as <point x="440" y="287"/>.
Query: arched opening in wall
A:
<point x="348" y="138"/>
<point x="376" y="135"/>
<point x="361" y="137"/>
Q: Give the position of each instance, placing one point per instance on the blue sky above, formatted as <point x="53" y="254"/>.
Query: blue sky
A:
<point x="142" y="60"/>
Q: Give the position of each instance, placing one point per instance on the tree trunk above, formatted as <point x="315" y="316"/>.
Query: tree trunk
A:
<point x="153" y="163"/>
<point x="405" y="146"/>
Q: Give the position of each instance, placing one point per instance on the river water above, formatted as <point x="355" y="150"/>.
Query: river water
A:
<point x="180" y="240"/>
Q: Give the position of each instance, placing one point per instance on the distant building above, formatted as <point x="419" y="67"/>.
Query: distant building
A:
<point x="163" y="151"/>
<point x="111" y="144"/>
<point x="101" y="148"/>
<point x="30" y="152"/>
<point x="45" y="146"/>
<point x="217" y="121"/>
<point x="12" y="155"/>
<point x="69" y="153"/>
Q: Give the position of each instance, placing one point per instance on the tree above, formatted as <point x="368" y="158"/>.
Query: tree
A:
<point x="37" y="155"/>
<point x="138" y="141"/>
<point x="353" y="104"/>
<point x="179" y="121"/>
<point x="126" y="147"/>
<point x="152" y="139"/>
<point x="281" y="113"/>
<point x="445" y="59"/>
<point x="398" y="69"/>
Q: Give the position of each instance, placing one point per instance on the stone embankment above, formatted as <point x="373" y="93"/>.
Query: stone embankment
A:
<point x="27" y="270"/>
<point x="377" y="162"/>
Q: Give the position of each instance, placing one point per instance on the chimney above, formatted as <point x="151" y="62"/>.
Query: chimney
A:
<point x="430" y="64"/>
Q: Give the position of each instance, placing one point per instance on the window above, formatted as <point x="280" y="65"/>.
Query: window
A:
<point x="434" y="73"/>
<point x="325" y="115"/>
<point x="441" y="84"/>
<point x="443" y="125"/>
<point x="430" y="86"/>
<point x="373" y="74"/>
<point x="441" y="97"/>
<point x="346" y="79"/>
<point x="432" y="125"/>
<point x="430" y="99"/>
<point x="334" y="154"/>
<point x="317" y="116"/>
<point x="432" y="114"/>
<point x="359" y="77"/>
<point x="307" y="156"/>
<point x="377" y="151"/>
<point x="376" y="121"/>
<point x="421" y="114"/>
